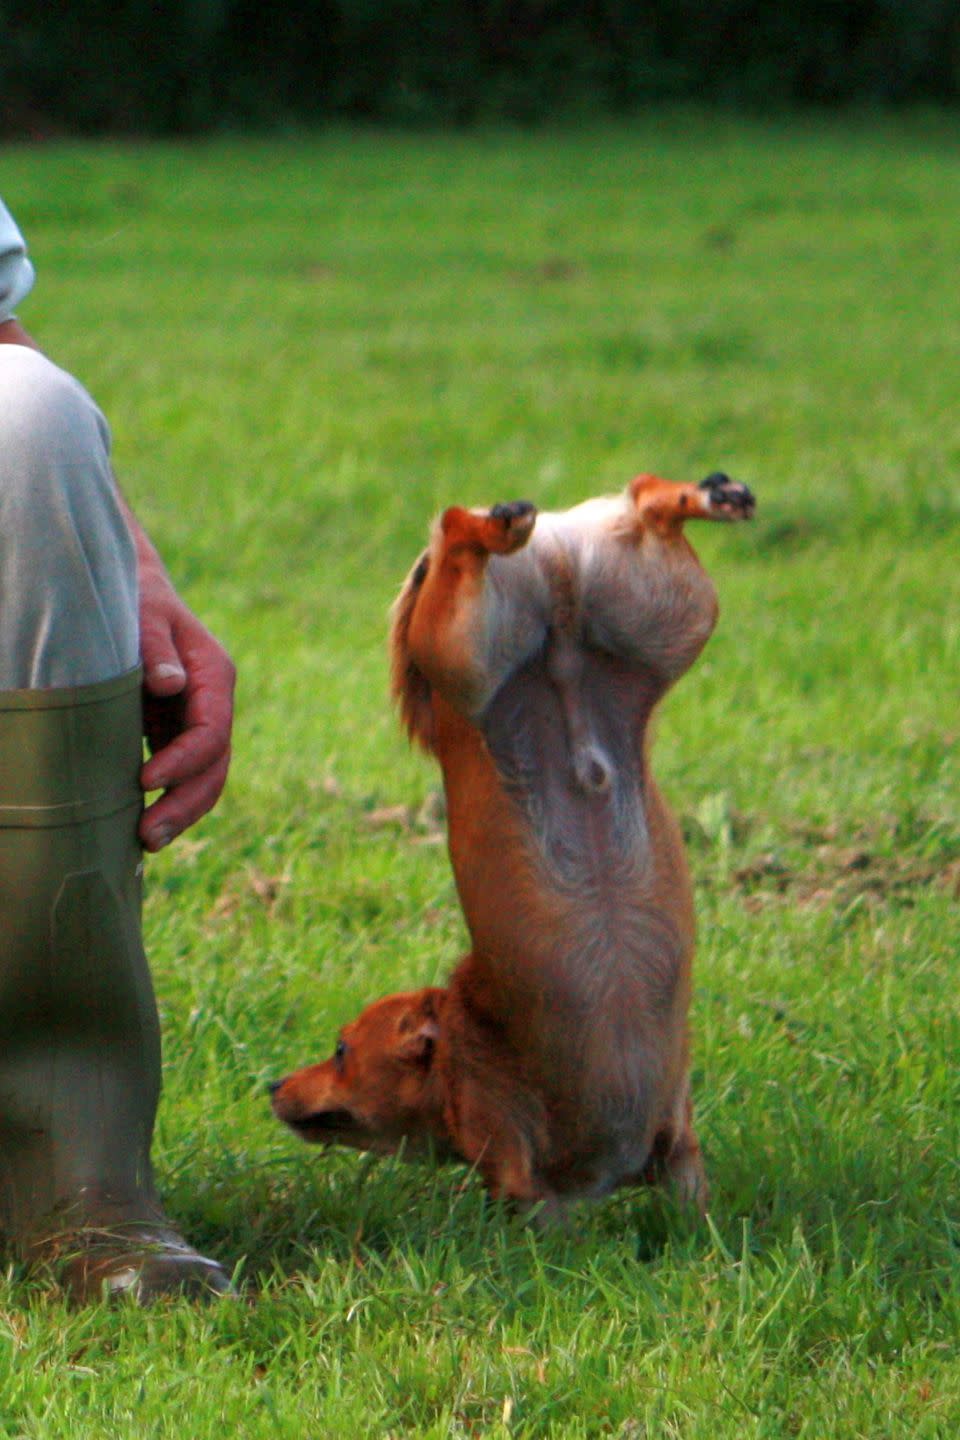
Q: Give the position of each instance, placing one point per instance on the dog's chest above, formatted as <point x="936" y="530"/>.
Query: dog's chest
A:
<point x="590" y="1163"/>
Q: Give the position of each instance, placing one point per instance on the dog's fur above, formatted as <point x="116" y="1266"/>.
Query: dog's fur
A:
<point x="528" y="655"/>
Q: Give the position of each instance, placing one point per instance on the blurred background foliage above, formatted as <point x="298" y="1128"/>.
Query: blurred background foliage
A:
<point x="188" y="66"/>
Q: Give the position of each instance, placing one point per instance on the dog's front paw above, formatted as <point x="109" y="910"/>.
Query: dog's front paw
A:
<point x="511" y="525"/>
<point x="727" y="499"/>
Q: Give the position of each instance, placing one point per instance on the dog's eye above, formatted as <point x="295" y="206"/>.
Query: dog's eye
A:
<point x="340" y="1054"/>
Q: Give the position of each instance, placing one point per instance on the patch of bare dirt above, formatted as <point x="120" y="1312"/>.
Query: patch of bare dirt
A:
<point x="836" y="875"/>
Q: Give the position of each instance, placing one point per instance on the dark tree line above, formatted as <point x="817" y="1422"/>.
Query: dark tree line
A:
<point x="180" y="66"/>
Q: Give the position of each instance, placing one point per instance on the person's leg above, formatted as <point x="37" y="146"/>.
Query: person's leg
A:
<point x="68" y="579"/>
<point x="79" y="1037"/>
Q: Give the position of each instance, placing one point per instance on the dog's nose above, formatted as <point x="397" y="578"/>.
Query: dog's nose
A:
<point x="273" y="1086"/>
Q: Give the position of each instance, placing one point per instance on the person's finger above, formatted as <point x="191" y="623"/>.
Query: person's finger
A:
<point x="163" y="671"/>
<point x="206" y="725"/>
<point x="181" y="807"/>
<point x="188" y="755"/>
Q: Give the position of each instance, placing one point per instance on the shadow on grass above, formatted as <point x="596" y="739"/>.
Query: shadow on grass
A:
<point x="294" y="1218"/>
<point x="290" y="1215"/>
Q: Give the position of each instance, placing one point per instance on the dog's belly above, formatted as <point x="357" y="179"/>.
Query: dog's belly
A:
<point x="604" y="912"/>
<point x="570" y="756"/>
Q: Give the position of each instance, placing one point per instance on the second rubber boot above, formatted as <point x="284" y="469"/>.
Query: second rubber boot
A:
<point x="79" y="1035"/>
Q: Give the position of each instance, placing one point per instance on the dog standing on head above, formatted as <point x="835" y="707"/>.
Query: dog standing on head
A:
<point x="528" y="655"/>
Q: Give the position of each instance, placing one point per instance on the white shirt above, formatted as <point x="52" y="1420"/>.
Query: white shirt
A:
<point x="16" y="272"/>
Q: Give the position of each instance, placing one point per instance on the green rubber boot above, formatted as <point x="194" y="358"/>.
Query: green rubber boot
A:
<point x="79" y="1035"/>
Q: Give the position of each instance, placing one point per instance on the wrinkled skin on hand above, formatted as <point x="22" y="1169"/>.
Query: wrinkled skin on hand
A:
<point x="188" y="705"/>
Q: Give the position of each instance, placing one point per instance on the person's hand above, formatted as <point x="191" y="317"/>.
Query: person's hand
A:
<point x="188" y="683"/>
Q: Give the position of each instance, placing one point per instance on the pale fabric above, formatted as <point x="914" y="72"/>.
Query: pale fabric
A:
<point x="68" y="575"/>
<point x="16" y="272"/>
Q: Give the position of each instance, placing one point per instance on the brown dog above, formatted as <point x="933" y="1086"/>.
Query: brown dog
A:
<point x="528" y="656"/>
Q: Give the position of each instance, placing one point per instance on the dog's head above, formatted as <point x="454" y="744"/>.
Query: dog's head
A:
<point x="379" y="1088"/>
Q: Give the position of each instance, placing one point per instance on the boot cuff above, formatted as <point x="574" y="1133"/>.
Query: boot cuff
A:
<point x="69" y="755"/>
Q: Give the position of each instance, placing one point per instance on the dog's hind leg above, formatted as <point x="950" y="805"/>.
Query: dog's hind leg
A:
<point x="666" y="505"/>
<point x="497" y="531"/>
<point x="646" y="596"/>
<point x="460" y="622"/>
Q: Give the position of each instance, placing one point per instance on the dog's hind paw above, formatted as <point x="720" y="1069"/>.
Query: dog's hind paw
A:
<point x="512" y="525"/>
<point x="727" y="499"/>
<point x="498" y="531"/>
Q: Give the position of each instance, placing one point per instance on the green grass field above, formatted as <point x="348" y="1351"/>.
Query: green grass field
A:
<point x="305" y="348"/>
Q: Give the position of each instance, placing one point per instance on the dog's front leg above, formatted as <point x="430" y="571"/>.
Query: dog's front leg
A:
<point x="498" y="1144"/>
<point x="677" y="1162"/>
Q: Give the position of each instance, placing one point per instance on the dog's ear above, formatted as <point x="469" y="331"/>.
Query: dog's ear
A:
<point x="419" y="1027"/>
<point x="409" y="687"/>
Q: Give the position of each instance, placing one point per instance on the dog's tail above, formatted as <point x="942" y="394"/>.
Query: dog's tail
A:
<point x="409" y="687"/>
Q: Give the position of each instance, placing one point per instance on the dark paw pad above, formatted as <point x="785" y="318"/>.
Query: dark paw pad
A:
<point x="515" y="522"/>
<point x="515" y="510"/>
<point x="728" y="497"/>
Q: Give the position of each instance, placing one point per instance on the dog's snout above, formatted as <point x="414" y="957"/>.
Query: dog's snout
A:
<point x="274" y="1085"/>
